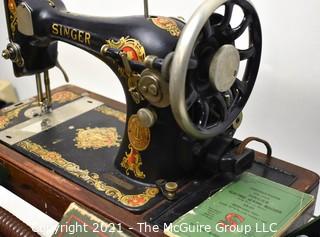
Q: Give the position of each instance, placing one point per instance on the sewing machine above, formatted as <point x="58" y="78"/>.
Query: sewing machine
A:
<point x="170" y="147"/>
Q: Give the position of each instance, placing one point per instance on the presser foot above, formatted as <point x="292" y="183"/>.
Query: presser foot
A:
<point x="37" y="111"/>
<point x="45" y="108"/>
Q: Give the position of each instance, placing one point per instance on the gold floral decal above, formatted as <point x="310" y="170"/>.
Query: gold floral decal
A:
<point x="96" y="138"/>
<point x="135" y="200"/>
<point x="132" y="162"/>
<point x="13" y="16"/>
<point x="139" y="138"/>
<point x="9" y="116"/>
<point x="111" y="112"/>
<point x="167" y="24"/>
<point x="135" y="52"/>
<point x="134" y="49"/>
<point x="64" y="96"/>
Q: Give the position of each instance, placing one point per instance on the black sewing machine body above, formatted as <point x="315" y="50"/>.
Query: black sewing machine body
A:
<point x="158" y="151"/>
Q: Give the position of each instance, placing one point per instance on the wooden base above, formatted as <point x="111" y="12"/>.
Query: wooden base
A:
<point x="52" y="193"/>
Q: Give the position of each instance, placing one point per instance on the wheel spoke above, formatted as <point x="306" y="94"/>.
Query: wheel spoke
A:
<point x="246" y="53"/>
<point x="227" y="16"/>
<point x="239" y="89"/>
<point x="240" y="86"/>
<point x="205" y="112"/>
<point x="223" y="105"/>
<point x="192" y="98"/>
<point x="239" y="30"/>
<point x="207" y="30"/>
<point x="193" y="63"/>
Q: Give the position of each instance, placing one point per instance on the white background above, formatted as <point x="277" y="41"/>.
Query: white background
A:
<point x="284" y="107"/>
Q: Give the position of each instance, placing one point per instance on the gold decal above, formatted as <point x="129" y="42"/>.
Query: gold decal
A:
<point x="167" y="24"/>
<point x="137" y="200"/>
<point x="111" y="112"/>
<point x="74" y="35"/>
<point x="66" y="31"/>
<point x="71" y="33"/>
<point x="134" y="49"/>
<point x="87" y="37"/>
<point x="132" y="162"/>
<point x="13" y="16"/>
<point x="135" y="52"/>
<point x="12" y="6"/>
<point x="81" y="33"/>
<point x="93" y="179"/>
<point x="54" y="29"/>
<point x="96" y="138"/>
<point x="9" y="116"/>
<point x="64" y="96"/>
<point x="139" y="136"/>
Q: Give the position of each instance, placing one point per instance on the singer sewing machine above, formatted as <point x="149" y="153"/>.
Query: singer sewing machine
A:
<point x="170" y="147"/>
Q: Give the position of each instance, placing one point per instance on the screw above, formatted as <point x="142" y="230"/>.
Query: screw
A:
<point x="51" y="3"/>
<point x="153" y="89"/>
<point x="104" y="49"/>
<point x="6" y="54"/>
<point x="144" y="89"/>
<point x="135" y="97"/>
<point x="171" y="188"/>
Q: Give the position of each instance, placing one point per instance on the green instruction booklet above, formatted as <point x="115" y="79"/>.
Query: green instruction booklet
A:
<point x="252" y="206"/>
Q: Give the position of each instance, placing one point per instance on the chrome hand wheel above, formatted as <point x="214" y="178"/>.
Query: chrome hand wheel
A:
<point x="208" y="97"/>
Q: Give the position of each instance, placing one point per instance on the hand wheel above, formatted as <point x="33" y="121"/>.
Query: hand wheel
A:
<point x="206" y="96"/>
